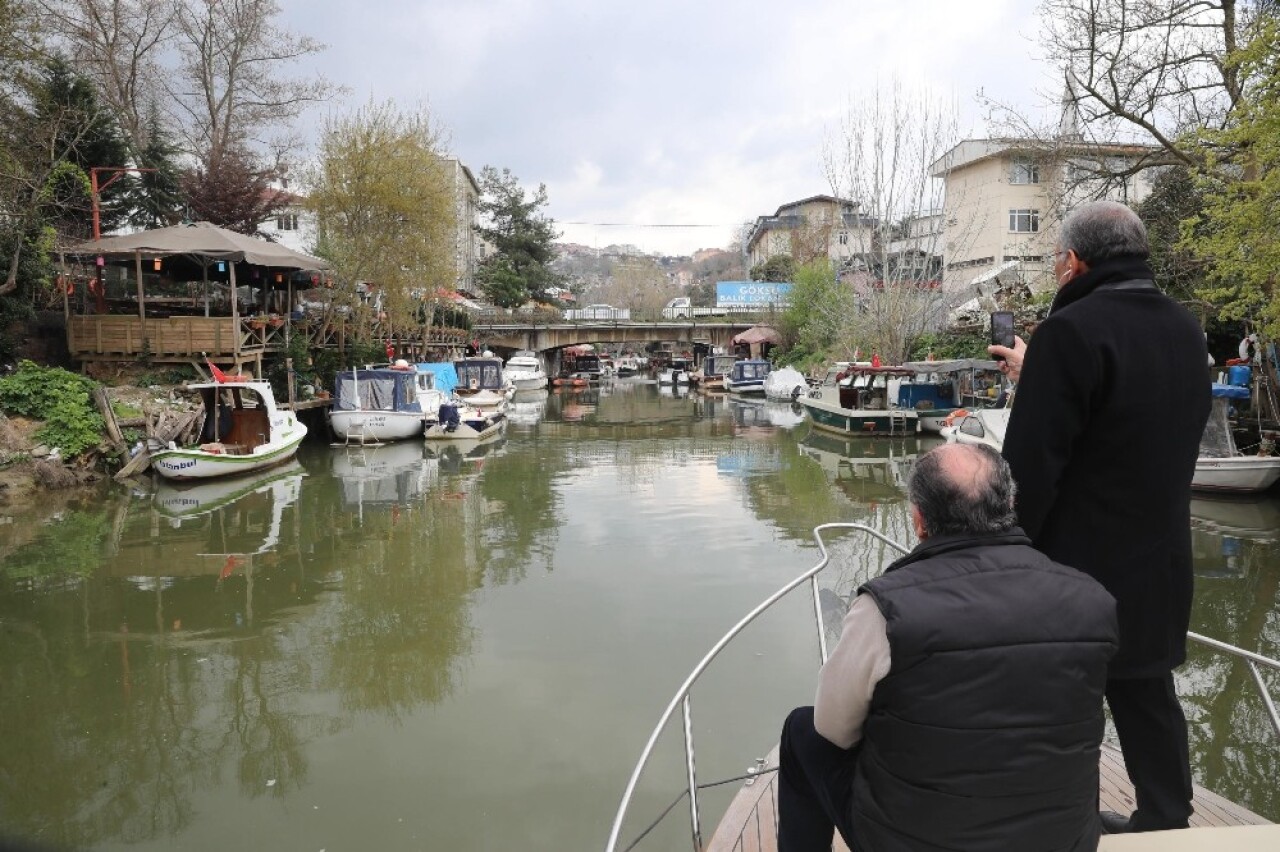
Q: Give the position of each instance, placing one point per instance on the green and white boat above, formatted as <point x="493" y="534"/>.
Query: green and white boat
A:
<point x="855" y="399"/>
<point x="242" y="431"/>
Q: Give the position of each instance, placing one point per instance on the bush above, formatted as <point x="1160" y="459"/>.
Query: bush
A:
<point x="60" y="398"/>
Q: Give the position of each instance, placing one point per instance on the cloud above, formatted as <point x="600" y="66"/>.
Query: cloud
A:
<point x="665" y="112"/>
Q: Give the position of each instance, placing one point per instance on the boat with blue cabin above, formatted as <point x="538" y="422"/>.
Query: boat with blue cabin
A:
<point x="939" y="388"/>
<point x="747" y="376"/>
<point x="374" y="405"/>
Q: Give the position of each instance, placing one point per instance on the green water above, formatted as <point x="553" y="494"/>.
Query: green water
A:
<point x="465" y="649"/>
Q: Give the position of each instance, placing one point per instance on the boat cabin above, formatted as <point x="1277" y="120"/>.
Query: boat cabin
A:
<point x="237" y="416"/>
<point x="380" y="389"/>
<point x="477" y="374"/>
<point x="750" y="370"/>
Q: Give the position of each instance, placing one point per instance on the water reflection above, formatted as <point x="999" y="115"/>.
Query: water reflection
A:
<point x="323" y="625"/>
<point x="527" y="408"/>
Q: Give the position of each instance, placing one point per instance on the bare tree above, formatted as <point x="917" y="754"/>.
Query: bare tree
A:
<point x="1150" y="70"/>
<point x="117" y="44"/>
<point x="892" y="246"/>
<point x="232" y="83"/>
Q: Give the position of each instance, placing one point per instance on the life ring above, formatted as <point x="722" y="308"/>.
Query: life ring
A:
<point x="1249" y="349"/>
<point x="94" y="287"/>
<point x="951" y="418"/>
<point x="391" y="352"/>
<point x="68" y="286"/>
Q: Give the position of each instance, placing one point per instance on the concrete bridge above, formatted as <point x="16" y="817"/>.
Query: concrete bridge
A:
<point x="548" y="339"/>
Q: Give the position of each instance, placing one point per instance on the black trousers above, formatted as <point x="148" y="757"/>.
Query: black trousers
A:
<point x="1153" y="737"/>
<point x="815" y="787"/>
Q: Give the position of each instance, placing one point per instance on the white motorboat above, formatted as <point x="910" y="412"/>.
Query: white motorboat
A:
<point x="459" y="421"/>
<point x="1222" y="467"/>
<point x="715" y="367"/>
<point x="526" y="372"/>
<point x="979" y="426"/>
<point x="379" y="404"/>
<point x="482" y="383"/>
<point x="785" y="385"/>
<point x="679" y="373"/>
<point x="853" y="399"/>
<point x="243" y="431"/>
<point x="747" y="376"/>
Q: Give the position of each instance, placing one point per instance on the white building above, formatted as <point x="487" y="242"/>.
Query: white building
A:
<point x="817" y="226"/>
<point x="1006" y="197"/>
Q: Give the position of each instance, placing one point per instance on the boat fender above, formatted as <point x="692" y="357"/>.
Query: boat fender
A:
<point x="1249" y="349"/>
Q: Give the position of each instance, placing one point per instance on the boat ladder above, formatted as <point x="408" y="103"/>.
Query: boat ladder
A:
<point x="356" y="437"/>
<point x="897" y="421"/>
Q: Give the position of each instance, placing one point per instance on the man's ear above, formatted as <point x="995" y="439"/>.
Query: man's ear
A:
<point x="917" y="521"/>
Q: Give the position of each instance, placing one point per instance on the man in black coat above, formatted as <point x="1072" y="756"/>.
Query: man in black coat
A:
<point x="1111" y="402"/>
<point x="962" y="706"/>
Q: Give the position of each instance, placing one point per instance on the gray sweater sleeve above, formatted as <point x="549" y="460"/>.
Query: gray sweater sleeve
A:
<point x="860" y="660"/>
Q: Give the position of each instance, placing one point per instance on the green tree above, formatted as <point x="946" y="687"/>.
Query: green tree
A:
<point x="85" y="130"/>
<point x="1174" y="199"/>
<point x="157" y="199"/>
<point x="385" y="209"/>
<point x="780" y="267"/>
<point x="522" y="236"/>
<point x="1236" y="234"/>
<point x="815" y="326"/>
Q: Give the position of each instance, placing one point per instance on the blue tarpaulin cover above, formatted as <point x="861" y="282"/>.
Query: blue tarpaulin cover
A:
<point x="446" y="375"/>
<point x="1230" y="391"/>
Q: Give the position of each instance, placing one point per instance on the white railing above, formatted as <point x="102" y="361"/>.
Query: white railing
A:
<point x="683" y="700"/>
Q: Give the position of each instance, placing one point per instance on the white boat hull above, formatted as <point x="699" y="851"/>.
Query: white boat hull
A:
<point x="1236" y="474"/>
<point x="184" y="464"/>
<point x="754" y="387"/>
<point x="529" y="383"/>
<point x="470" y="427"/>
<point x="375" y="426"/>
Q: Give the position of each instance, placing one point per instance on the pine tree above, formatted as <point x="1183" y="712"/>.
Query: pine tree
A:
<point x="522" y="237"/>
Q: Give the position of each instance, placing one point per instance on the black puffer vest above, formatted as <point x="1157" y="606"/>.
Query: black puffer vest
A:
<point x="985" y="733"/>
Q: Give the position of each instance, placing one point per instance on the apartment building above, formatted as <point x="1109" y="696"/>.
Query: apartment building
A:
<point x="817" y="226"/>
<point x="1004" y="200"/>
<point x="468" y="251"/>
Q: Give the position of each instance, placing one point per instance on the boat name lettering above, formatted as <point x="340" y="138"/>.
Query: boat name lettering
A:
<point x="182" y="465"/>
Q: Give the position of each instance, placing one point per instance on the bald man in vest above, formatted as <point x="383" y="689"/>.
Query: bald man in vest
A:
<point x="962" y="706"/>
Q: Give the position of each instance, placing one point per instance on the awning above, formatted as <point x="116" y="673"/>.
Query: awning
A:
<point x="758" y="334"/>
<point x="202" y="239"/>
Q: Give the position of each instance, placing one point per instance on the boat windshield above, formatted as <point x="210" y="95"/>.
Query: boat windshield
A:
<point x="485" y="374"/>
<point x="1217" y="441"/>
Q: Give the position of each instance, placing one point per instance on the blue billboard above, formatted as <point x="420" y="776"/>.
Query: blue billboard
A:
<point x="754" y="295"/>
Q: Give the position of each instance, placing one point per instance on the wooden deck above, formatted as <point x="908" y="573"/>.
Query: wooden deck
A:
<point x="110" y="337"/>
<point x="751" y="823"/>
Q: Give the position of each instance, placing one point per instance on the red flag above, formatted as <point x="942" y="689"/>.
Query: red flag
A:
<point x="218" y="375"/>
<point x="875" y="359"/>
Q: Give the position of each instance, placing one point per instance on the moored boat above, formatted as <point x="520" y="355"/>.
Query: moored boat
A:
<point x="1222" y="467"/>
<point x="710" y="376"/>
<point x="747" y="376"/>
<point x="459" y="421"/>
<point x="243" y="431"/>
<point x="785" y="385"/>
<point x="379" y="404"/>
<point x="939" y="388"/>
<point x="482" y="383"/>
<point x="853" y="399"/>
<point x="677" y="373"/>
<point x="526" y="372"/>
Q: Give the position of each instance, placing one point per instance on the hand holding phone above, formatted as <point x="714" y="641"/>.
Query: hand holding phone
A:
<point x="1002" y="330"/>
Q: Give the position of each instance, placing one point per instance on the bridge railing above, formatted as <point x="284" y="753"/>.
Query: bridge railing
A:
<point x="546" y="317"/>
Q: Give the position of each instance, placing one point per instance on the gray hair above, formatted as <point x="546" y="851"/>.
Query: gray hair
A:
<point x="972" y="494"/>
<point x="1103" y="229"/>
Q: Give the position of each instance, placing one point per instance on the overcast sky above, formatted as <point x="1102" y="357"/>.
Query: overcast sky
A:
<point x="666" y="112"/>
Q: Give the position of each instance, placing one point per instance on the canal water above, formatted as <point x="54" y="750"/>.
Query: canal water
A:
<point x="465" y="647"/>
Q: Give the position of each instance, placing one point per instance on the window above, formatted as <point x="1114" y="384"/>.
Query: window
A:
<point x="1024" y="172"/>
<point x="844" y="238"/>
<point x="287" y="222"/>
<point x="1024" y="221"/>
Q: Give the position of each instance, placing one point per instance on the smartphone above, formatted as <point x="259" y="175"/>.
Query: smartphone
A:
<point x="1002" y="329"/>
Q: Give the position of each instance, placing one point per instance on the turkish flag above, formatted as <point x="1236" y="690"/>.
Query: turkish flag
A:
<point x="218" y="375"/>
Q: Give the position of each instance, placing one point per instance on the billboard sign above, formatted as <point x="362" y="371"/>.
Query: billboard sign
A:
<point x="752" y="295"/>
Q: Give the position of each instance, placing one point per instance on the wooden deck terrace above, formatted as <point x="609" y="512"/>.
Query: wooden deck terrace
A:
<point x="113" y="337"/>
<point x="751" y="822"/>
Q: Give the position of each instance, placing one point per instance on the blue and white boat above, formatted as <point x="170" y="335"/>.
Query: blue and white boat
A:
<point x="747" y="376"/>
<point x="374" y="405"/>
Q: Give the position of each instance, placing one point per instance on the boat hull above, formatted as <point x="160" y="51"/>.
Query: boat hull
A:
<point x="188" y="464"/>
<point x="375" y="426"/>
<point x="853" y="421"/>
<point x="468" y="429"/>
<point x="751" y="388"/>
<point x="528" y="383"/>
<point x="1236" y="474"/>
